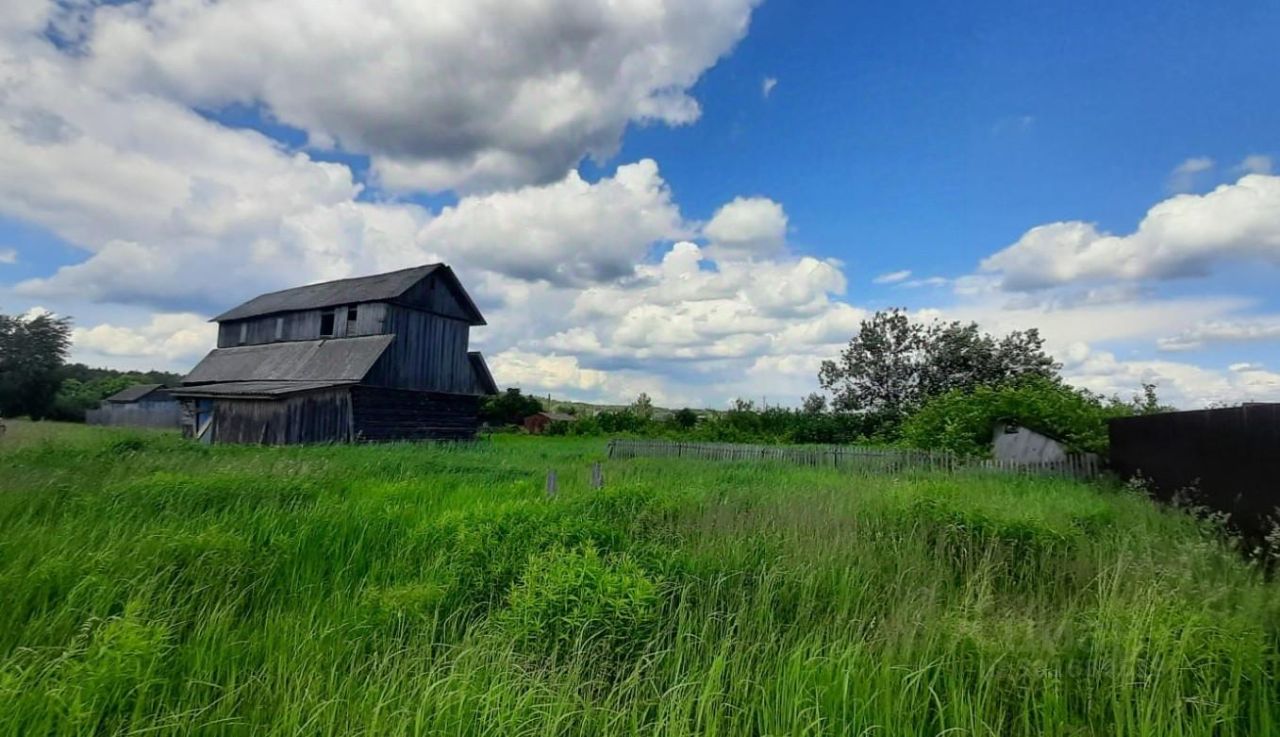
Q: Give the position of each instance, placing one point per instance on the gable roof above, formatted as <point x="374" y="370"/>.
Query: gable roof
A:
<point x="332" y="359"/>
<point x="484" y="379"/>
<point x="133" y="393"/>
<point x="375" y="288"/>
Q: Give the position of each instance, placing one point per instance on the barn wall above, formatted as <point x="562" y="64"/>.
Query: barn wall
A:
<point x="303" y="325"/>
<point x="428" y="354"/>
<point x="435" y="294"/>
<point x="392" y="414"/>
<point x="315" y="417"/>
<point x="1228" y="458"/>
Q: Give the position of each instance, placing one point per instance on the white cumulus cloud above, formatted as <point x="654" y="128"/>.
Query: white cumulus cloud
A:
<point x="1185" y="235"/>
<point x="446" y="94"/>
<point x="747" y="226"/>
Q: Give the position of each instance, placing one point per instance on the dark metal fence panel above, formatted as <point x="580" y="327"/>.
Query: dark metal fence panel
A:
<point x="850" y="458"/>
<point x="1225" y="459"/>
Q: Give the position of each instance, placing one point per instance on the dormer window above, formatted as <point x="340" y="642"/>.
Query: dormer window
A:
<point x="244" y="332"/>
<point x="279" y="328"/>
<point x="353" y="314"/>
<point x="326" y="324"/>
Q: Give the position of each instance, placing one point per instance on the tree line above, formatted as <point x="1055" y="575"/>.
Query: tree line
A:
<point x="935" y="385"/>
<point x="938" y="385"/>
<point x="37" y="382"/>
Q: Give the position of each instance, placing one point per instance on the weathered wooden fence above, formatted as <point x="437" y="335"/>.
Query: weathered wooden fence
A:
<point x="143" y="414"/>
<point x="853" y="458"/>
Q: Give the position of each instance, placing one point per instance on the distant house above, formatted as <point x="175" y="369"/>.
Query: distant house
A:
<point x="538" y="423"/>
<point x="141" y="405"/>
<point x="1014" y="443"/>
<point x="380" y="357"/>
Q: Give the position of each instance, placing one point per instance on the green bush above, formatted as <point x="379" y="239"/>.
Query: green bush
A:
<point x="577" y="602"/>
<point x="962" y="421"/>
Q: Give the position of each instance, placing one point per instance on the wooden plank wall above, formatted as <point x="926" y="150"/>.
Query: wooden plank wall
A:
<point x="434" y="294"/>
<point x="315" y="417"/>
<point x="854" y="459"/>
<point x="392" y="414"/>
<point x="428" y="354"/>
<point x="303" y="325"/>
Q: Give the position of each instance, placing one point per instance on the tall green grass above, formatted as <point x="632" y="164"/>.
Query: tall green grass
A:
<point x="149" y="586"/>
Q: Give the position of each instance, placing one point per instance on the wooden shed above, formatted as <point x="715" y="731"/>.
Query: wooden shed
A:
<point x="381" y="357"/>
<point x="1016" y="443"/>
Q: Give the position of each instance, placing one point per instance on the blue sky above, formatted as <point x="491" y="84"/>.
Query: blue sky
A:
<point x="742" y="177"/>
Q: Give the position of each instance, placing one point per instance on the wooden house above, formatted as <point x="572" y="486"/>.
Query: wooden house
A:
<point x="538" y="423"/>
<point x="381" y="357"/>
<point x="140" y="405"/>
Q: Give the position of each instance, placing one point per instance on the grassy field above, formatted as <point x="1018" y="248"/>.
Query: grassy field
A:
<point x="150" y="586"/>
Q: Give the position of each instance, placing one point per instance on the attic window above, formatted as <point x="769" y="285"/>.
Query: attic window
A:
<point x="326" y="324"/>
<point x="352" y="314"/>
<point x="244" y="332"/>
<point x="279" y="328"/>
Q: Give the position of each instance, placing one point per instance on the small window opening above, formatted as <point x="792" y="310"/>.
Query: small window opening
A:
<point x="326" y="324"/>
<point x="353" y="313"/>
<point x="244" y="332"/>
<point x="279" y="328"/>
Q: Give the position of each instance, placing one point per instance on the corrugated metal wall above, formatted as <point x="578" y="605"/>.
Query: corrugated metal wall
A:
<point x="1227" y="459"/>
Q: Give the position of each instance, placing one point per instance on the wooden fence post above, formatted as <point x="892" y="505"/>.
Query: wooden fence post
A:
<point x="552" y="486"/>
<point x="597" y="476"/>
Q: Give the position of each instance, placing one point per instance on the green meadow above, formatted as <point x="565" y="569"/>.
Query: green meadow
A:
<point x="152" y="586"/>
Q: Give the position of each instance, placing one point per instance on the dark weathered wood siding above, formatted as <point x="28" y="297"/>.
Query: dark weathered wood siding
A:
<point x="304" y="325"/>
<point x="315" y="417"/>
<point x="428" y="354"/>
<point x="392" y="414"/>
<point x="436" y="295"/>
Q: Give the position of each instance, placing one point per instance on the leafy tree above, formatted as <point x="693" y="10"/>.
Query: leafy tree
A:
<point x="643" y="406"/>
<point x="509" y="407"/>
<point x="1147" y="403"/>
<point x="32" y="352"/>
<point x="567" y="409"/>
<point x="685" y="419"/>
<point x="814" y="404"/>
<point x="893" y="365"/>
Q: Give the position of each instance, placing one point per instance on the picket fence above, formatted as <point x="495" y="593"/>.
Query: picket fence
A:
<point x="855" y="459"/>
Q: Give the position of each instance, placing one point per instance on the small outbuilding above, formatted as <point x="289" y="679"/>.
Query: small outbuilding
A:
<point x="140" y="405"/>
<point x="1012" y="442"/>
<point x="538" y="423"/>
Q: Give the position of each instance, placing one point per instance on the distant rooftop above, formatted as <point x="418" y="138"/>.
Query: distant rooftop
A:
<point x="133" y="393"/>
